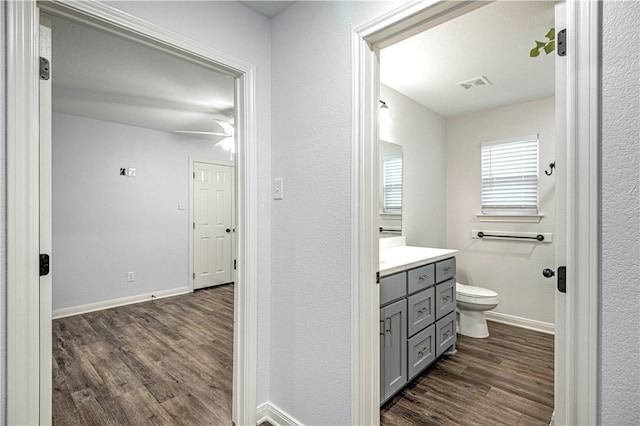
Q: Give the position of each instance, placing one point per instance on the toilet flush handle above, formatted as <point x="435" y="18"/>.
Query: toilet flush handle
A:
<point x="548" y="273"/>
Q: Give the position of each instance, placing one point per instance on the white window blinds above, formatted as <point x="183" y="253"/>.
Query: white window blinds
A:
<point x="392" y="183"/>
<point x="510" y="176"/>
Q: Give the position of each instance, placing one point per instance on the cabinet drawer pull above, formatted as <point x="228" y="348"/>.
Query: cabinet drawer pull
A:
<point x="421" y="351"/>
<point x="382" y="324"/>
<point x="446" y="268"/>
<point x="423" y="277"/>
<point x="445" y="298"/>
<point x="389" y="330"/>
<point x="423" y="310"/>
<point x="446" y="334"/>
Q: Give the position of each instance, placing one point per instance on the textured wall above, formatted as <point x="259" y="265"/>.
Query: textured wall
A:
<point x="421" y="132"/>
<point x="311" y="233"/>
<point x="236" y="30"/>
<point x="620" y="344"/>
<point x="513" y="269"/>
<point x="104" y="224"/>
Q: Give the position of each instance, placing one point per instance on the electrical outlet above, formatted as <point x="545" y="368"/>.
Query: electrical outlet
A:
<point x="131" y="276"/>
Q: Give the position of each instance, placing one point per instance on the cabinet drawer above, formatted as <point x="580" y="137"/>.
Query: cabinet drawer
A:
<point x="445" y="333"/>
<point x="445" y="269"/>
<point x="393" y="287"/>
<point x="421" y="350"/>
<point x="421" y="310"/>
<point x="421" y="278"/>
<point x="445" y="298"/>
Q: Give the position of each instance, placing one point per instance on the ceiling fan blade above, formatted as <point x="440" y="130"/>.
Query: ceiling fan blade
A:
<point x="194" y="132"/>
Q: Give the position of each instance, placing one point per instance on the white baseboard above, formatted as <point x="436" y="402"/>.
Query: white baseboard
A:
<point x="271" y="413"/>
<point x="543" y="327"/>
<point x="98" y="306"/>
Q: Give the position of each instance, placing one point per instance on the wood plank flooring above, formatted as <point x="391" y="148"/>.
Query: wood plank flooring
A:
<point x="506" y="379"/>
<point x="166" y="362"/>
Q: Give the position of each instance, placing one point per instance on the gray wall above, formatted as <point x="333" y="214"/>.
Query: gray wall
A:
<point x="311" y="242"/>
<point x="421" y="132"/>
<point x="524" y="292"/>
<point x="620" y="306"/>
<point x="104" y="224"/>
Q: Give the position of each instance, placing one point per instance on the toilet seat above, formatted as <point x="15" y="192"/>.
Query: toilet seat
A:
<point x="477" y="295"/>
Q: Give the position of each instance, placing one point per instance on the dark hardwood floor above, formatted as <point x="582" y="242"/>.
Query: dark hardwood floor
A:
<point x="506" y="379"/>
<point x="165" y="362"/>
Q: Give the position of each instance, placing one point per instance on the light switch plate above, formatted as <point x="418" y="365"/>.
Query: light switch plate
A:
<point x="278" y="189"/>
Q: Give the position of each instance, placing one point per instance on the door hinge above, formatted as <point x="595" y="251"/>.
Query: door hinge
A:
<point x="44" y="264"/>
<point x="235" y="264"/>
<point x="378" y="277"/>
<point x="45" y="68"/>
<point x="194" y="175"/>
<point x="562" y="279"/>
<point x="562" y="43"/>
<point x="194" y="275"/>
<point x="194" y="225"/>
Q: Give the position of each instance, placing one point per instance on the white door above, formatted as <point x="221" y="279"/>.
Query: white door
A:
<point x="45" y="227"/>
<point x="212" y="224"/>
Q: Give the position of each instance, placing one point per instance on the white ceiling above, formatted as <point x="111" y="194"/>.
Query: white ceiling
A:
<point x="493" y="41"/>
<point x="98" y="75"/>
<point x="267" y="8"/>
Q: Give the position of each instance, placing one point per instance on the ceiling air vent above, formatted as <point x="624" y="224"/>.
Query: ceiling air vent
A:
<point x="474" y="82"/>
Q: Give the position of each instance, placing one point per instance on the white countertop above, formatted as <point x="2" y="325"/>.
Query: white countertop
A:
<point x="399" y="258"/>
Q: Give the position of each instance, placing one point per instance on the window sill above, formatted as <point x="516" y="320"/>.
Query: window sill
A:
<point x="518" y="218"/>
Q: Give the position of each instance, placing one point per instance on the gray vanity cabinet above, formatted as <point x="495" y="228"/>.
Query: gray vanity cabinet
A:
<point x="393" y="344"/>
<point x="417" y="322"/>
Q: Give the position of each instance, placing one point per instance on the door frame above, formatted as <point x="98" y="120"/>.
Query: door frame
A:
<point x="192" y="162"/>
<point x="22" y="186"/>
<point x="582" y="114"/>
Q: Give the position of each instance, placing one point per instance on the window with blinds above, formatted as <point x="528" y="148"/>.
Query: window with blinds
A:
<point x="510" y="176"/>
<point x="392" y="183"/>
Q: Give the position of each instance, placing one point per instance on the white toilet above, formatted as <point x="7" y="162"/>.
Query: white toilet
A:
<point x="472" y="301"/>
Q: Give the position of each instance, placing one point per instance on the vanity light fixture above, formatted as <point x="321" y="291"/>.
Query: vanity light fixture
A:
<point x="384" y="114"/>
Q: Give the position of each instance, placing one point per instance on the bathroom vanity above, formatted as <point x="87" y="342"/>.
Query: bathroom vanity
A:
<point x="417" y="312"/>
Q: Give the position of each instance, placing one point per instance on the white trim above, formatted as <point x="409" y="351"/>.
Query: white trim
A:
<point x="583" y="174"/>
<point x="543" y="327"/>
<point x="22" y="228"/>
<point x="22" y="190"/>
<point x="582" y="122"/>
<point x="268" y="412"/>
<point x="123" y="301"/>
<point x="510" y="218"/>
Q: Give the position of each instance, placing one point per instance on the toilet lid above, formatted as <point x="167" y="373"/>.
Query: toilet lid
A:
<point x="473" y="291"/>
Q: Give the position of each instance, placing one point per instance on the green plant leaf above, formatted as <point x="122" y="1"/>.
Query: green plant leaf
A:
<point x="550" y="47"/>
<point x="534" y="52"/>
<point x="540" y="44"/>
<point x="551" y="35"/>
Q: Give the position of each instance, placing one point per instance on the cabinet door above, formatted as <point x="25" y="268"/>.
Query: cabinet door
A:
<point x="395" y="344"/>
<point x="445" y="298"/>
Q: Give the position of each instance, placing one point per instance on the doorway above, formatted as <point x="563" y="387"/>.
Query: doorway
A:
<point x="574" y="404"/>
<point x="24" y="364"/>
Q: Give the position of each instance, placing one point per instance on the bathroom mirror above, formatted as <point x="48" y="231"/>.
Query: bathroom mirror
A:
<point x="390" y="189"/>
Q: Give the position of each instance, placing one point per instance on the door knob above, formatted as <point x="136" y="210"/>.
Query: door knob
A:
<point x="227" y="230"/>
<point x="548" y="273"/>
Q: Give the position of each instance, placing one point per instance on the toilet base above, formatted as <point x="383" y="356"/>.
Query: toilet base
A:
<point x="473" y="324"/>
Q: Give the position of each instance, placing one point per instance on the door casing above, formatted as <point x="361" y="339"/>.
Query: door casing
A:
<point x="579" y="350"/>
<point x="23" y="363"/>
